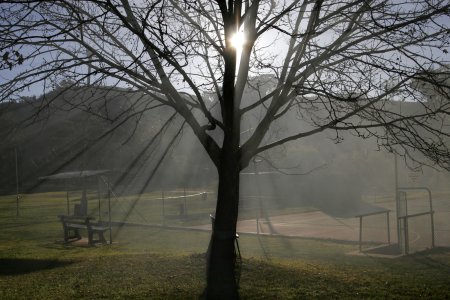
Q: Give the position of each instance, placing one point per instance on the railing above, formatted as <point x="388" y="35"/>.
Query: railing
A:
<point x="403" y="219"/>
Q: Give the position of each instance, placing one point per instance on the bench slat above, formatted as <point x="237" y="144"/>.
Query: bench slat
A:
<point x="98" y="228"/>
<point x="79" y="226"/>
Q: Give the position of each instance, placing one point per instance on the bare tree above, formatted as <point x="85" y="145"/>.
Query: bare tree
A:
<point x="339" y="65"/>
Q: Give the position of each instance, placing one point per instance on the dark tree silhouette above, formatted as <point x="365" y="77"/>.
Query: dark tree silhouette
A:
<point x="338" y="65"/>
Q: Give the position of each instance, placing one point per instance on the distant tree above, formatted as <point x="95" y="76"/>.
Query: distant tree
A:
<point x="342" y="66"/>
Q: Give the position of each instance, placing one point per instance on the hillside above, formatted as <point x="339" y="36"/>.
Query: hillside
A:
<point x="98" y="128"/>
<point x="83" y="128"/>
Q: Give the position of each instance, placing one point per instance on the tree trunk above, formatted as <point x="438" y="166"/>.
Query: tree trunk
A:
<point x="221" y="279"/>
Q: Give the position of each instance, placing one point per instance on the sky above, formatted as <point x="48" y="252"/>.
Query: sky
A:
<point x="272" y="42"/>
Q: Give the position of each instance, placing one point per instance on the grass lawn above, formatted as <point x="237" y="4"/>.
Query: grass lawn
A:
<point x="155" y="263"/>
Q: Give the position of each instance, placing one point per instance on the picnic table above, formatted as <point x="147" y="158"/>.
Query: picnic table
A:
<point x="72" y="225"/>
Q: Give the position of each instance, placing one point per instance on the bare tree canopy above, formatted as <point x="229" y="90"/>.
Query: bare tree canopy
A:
<point x="377" y="69"/>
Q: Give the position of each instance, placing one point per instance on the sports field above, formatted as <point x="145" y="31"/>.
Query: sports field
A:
<point x="191" y="209"/>
<point x="319" y="225"/>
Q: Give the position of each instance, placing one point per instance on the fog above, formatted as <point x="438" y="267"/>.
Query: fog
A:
<point x="165" y="178"/>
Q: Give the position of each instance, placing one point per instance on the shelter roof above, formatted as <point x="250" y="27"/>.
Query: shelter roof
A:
<point x="74" y="174"/>
<point x="356" y="209"/>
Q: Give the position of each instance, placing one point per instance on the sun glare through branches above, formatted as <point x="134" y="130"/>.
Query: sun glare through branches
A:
<point x="238" y="40"/>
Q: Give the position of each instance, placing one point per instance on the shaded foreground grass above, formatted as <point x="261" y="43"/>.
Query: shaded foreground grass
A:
<point x="156" y="263"/>
<point x="47" y="269"/>
<point x="157" y="276"/>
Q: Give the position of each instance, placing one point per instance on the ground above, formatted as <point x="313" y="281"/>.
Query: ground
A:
<point x="151" y="262"/>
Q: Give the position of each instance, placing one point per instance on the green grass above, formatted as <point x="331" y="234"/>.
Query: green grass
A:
<point x="156" y="263"/>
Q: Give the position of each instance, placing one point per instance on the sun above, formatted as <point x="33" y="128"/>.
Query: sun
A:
<point x="238" y="40"/>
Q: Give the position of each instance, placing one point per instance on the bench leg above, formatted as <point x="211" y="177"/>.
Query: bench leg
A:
<point x="101" y="237"/>
<point x="66" y="235"/>
<point x="77" y="234"/>
<point x="91" y="238"/>
<point x="68" y="231"/>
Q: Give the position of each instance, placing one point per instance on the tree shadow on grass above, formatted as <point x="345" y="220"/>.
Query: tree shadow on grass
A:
<point x="25" y="223"/>
<point x="19" y="266"/>
<point x="426" y="258"/>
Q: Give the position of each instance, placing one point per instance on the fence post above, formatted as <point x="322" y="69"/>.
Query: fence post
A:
<point x="388" y="228"/>
<point x="99" y="199"/>
<point x="109" y="212"/>
<point x="17" y="183"/>
<point x="406" y="235"/>
<point x="185" y="205"/>
<point x="68" y="203"/>
<point x="360" y="233"/>
<point x="163" y="208"/>
<point x="430" y="199"/>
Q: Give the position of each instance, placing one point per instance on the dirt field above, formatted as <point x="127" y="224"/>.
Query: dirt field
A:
<point x="317" y="224"/>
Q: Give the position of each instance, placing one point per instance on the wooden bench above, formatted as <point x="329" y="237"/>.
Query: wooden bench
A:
<point x="73" y="224"/>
